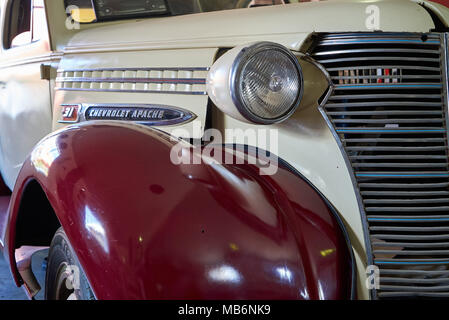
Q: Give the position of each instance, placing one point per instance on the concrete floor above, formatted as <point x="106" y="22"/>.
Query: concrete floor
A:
<point x="8" y="289"/>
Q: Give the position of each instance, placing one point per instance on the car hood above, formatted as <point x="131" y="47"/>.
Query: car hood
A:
<point x="289" y="24"/>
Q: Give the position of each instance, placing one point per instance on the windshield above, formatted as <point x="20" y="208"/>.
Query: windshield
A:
<point x="99" y="10"/>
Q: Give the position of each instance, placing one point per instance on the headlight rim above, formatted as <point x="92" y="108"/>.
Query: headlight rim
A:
<point x="241" y="61"/>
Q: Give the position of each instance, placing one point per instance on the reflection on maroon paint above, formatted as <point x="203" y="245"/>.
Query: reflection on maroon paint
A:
<point x="443" y="2"/>
<point x="144" y="228"/>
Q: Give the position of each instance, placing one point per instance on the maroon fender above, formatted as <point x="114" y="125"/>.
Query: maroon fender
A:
<point x="144" y="228"/>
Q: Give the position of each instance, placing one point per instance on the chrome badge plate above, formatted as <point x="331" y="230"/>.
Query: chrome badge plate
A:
<point x="147" y="114"/>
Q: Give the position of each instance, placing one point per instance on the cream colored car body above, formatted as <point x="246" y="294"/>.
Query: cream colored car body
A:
<point x="30" y="107"/>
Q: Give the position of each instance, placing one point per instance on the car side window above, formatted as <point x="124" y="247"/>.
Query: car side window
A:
<point x="19" y="31"/>
<point x="27" y="23"/>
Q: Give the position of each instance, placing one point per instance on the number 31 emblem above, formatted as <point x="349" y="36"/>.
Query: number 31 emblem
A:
<point x="70" y="113"/>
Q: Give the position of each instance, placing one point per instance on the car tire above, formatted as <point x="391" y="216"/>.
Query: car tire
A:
<point x="65" y="279"/>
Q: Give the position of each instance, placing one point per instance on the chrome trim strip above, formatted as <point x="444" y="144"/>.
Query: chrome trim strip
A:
<point x="390" y="67"/>
<point x="383" y="86"/>
<point x="342" y="51"/>
<point x="378" y="40"/>
<point x="357" y="35"/>
<point x="373" y="58"/>
<point x="134" y="91"/>
<point x="137" y="69"/>
<point x="388" y="103"/>
<point x="134" y="80"/>
<point x="387" y="77"/>
<point x="386" y="96"/>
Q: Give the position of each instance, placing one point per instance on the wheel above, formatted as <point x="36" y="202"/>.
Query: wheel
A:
<point x="65" y="279"/>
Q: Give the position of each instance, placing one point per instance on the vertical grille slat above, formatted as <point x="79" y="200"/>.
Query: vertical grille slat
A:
<point x="388" y="109"/>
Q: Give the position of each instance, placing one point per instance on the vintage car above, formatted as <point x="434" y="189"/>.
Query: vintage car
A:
<point x="225" y="149"/>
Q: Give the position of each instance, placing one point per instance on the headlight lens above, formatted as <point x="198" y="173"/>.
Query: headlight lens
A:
<point x="266" y="83"/>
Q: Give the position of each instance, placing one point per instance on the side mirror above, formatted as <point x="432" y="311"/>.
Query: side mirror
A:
<point x="21" y="39"/>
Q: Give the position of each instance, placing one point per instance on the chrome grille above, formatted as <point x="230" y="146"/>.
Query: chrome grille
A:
<point x="388" y="111"/>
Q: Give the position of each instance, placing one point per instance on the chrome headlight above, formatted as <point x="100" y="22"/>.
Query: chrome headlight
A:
<point x="259" y="83"/>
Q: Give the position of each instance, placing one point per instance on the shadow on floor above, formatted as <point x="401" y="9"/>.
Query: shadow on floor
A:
<point x="9" y="290"/>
